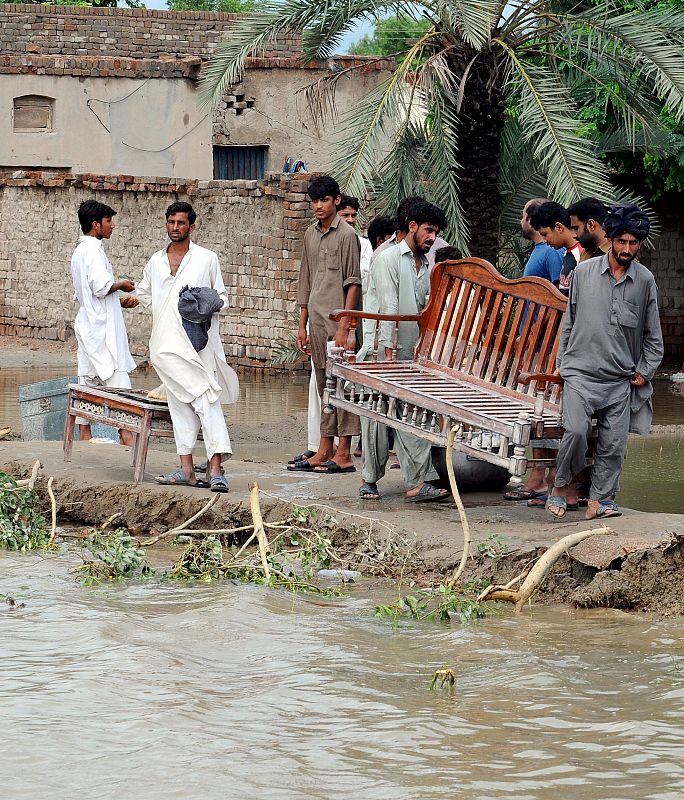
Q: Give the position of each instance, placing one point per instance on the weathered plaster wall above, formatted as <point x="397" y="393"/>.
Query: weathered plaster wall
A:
<point x="110" y="125"/>
<point x="255" y="228"/>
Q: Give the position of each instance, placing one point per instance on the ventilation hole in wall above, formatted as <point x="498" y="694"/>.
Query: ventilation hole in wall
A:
<point x="33" y="113"/>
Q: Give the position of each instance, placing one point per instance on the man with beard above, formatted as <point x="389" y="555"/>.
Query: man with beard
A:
<point x="183" y="284"/>
<point x="400" y="284"/>
<point x="586" y="220"/>
<point x="610" y="348"/>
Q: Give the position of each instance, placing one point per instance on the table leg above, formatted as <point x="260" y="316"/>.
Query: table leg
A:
<point x="69" y="429"/>
<point x="142" y="440"/>
<point x="134" y="449"/>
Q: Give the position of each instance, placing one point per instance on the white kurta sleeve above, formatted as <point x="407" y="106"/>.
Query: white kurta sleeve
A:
<point x="100" y="279"/>
<point x="143" y="289"/>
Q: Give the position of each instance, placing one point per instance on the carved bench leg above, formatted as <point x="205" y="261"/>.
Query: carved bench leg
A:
<point x="521" y="438"/>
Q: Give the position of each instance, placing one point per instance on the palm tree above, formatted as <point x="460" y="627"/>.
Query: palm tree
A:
<point x="482" y="109"/>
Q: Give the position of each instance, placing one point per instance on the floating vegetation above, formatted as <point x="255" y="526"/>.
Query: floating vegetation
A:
<point x="22" y="526"/>
<point x="494" y="546"/>
<point x="111" y="555"/>
<point x="443" y="677"/>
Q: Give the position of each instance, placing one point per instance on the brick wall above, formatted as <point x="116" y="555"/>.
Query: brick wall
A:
<point x="255" y="227"/>
<point x="123" y="32"/>
<point x="666" y="262"/>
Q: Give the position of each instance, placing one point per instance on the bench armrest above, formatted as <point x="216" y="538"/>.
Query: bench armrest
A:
<point x="541" y="377"/>
<point x="338" y="313"/>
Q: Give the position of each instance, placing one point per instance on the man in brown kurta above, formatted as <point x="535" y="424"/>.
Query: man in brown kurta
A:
<point x="329" y="278"/>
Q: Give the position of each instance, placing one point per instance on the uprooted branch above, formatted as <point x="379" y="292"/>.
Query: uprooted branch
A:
<point x="538" y="572"/>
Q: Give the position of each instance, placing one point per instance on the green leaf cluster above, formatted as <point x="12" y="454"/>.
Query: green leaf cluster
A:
<point x="111" y="555"/>
<point x="227" y="6"/>
<point x="391" y="35"/>
<point x="22" y="525"/>
<point x="442" y="602"/>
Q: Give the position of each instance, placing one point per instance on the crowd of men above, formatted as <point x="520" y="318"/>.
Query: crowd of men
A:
<point x="610" y="348"/>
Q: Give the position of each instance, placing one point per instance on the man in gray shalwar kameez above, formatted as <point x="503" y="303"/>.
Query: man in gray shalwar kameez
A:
<point x="610" y="348"/>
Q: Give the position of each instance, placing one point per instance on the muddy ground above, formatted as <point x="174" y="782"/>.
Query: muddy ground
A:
<point x="640" y="568"/>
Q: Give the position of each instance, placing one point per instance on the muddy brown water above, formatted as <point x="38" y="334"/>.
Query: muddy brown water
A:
<point x="156" y="690"/>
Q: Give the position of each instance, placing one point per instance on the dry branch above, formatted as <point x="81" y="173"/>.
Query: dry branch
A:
<point x="259" y="527"/>
<point x="53" y="507"/>
<point x="539" y="570"/>
<point x="459" y="505"/>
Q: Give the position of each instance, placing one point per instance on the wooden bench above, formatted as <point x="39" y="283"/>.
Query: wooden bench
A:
<point x="484" y="363"/>
<point x="124" y="409"/>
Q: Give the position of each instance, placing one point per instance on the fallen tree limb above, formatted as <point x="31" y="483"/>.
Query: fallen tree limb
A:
<point x="459" y="505"/>
<point x="179" y="528"/>
<point x="53" y="507"/>
<point x="259" y="527"/>
<point x="30" y="482"/>
<point x="538" y="572"/>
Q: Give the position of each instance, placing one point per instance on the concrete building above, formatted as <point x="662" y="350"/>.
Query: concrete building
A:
<point x="114" y="91"/>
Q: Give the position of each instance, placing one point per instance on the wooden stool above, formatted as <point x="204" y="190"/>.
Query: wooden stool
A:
<point x="123" y="409"/>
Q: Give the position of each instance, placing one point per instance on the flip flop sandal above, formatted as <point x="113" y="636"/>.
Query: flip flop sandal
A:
<point x="178" y="478"/>
<point x="219" y="484"/>
<point x="300" y="466"/>
<point x="333" y="468"/>
<point x="524" y="494"/>
<point x="606" y="509"/>
<point x="540" y="502"/>
<point x="369" y="491"/>
<point x="302" y="456"/>
<point x="558" y="502"/>
<point x="428" y="494"/>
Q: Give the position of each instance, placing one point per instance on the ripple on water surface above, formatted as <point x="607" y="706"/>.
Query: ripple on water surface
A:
<point x="165" y="691"/>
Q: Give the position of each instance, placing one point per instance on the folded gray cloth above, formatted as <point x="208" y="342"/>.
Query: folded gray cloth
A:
<point x="196" y="306"/>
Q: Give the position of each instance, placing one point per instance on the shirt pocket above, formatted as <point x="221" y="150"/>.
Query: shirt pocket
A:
<point x="330" y="256"/>
<point x="629" y="314"/>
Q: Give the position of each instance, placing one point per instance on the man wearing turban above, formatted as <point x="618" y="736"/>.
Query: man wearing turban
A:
<point x="611" y="345"/>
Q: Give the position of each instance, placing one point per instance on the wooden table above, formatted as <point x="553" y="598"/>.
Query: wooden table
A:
<point x="124" y="409"/>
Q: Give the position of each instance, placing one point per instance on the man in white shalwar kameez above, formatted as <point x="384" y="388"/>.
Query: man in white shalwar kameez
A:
<point x="196" y="382"/>
<point x="104" y="358"/>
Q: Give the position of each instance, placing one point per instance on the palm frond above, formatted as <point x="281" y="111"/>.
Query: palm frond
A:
<point x="400" y="174"/>
<point x="335" y="19"/>
<point x="548" y="121"/>
<point x="252" y="34"/>
<point x="471" y="20"/>
<point x="650" y="42"/>
<point x="441" y="161"/>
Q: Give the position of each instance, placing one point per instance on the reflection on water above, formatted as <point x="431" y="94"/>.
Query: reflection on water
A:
<point x="164" y="691"/>
<point x="262" y="398"/>
<point x="653" y="478"/>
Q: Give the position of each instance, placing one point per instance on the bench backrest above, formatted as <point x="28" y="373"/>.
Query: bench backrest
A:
<point x="490" y="328"/>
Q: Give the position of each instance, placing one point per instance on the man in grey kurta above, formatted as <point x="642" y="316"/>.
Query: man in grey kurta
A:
<point x="610" y="348"/>
<point x="400" y="284"/>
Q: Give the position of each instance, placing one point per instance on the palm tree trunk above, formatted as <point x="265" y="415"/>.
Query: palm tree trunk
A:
<point x="481" y="120"/>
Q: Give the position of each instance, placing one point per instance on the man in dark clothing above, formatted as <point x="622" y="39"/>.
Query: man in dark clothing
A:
<point x="610" y="348"/>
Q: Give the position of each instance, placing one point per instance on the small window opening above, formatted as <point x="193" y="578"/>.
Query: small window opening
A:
<point x="240" y="162"/>
<point x="33" y="113"/>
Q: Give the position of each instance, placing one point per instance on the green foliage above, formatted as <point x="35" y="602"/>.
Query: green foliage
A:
<point x="441" y="602"/>
<point x="300" y="548"/>
<point x="227" y="6"/>
<point x="390" y="36"/>
<point x="494" y="546"/>
<point x="114" y="554"/>
<point x="22" y="526"/>
<point x="285" y="351"/>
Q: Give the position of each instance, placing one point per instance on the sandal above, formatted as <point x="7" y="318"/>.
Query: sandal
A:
<point x="556" y="501"/>
<point x="178" y="478"/>
<point x="333" y="468"/>
<point x="540" y="502"/>
<point x="369" y="491"/>
<point x="606" y="508"/>
<point x="300" y="466"/>
<point x="219" y="484"/>
<point x="302" y="456"/>
<point x="523" y="493"/>
<point x="428" y="494"/>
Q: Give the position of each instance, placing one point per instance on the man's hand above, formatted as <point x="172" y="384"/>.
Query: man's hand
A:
<point x="303" y="341"/>
<point x="126" y="286"/>
<point x="638" y="379"/>
<point x="129" y="302"/>
<point x="341" y="336"/>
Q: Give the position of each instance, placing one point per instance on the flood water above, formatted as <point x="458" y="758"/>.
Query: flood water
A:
<point x="155" y="691"/>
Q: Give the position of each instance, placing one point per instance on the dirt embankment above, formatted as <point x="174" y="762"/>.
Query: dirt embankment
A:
<point x="628" y="574"/>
